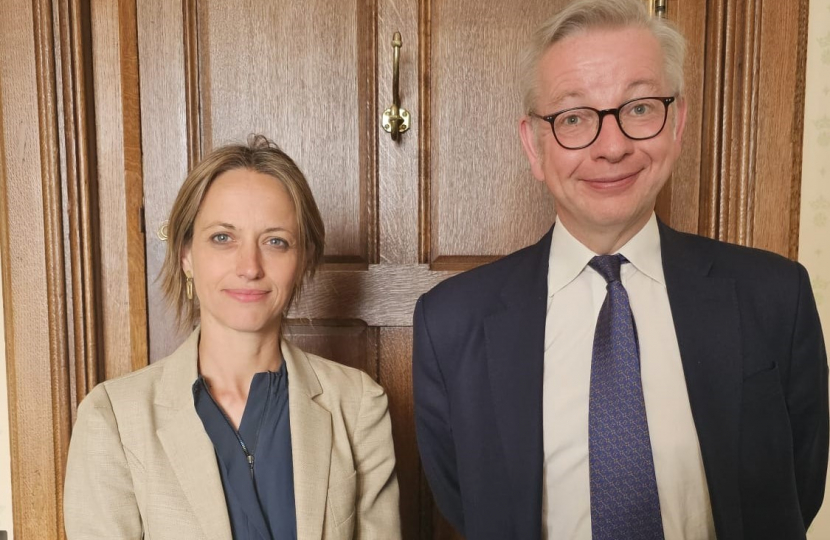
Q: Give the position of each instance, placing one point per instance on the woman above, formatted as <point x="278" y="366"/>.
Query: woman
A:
<point x="238" y="434"/>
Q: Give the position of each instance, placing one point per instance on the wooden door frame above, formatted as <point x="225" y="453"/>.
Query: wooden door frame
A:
<point x="71" y="241"/>
<point x="71" y="192"/>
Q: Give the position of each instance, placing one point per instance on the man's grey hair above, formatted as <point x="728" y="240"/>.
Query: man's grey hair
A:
<point x="583" y="15"/>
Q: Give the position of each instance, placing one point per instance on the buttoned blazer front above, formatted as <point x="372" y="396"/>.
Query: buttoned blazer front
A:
<point x="753" y="358"/>
<point x="141" y="465"/>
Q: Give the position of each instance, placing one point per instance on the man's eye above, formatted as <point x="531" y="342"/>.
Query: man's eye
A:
<point x="572" y="120"/>
<point x="220" y="238"/>
<point x="640" y="109"/>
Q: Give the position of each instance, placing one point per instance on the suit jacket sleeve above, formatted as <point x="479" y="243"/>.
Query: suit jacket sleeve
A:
<point x="432" y="421"/>
<point x="99" y="501"/>
<point x="378" y="515"/>
<point x="807" y="402"/>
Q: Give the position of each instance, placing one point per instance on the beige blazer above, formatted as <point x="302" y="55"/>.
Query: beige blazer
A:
<point x="140" y="464"/>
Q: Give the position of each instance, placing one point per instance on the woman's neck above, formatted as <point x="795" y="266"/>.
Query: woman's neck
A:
<point x="229" y="359"/>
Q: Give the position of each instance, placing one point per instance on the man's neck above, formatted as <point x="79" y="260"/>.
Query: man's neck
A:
<point x="606" y="240"/>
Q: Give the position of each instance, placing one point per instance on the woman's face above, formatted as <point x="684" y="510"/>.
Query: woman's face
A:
<point x="244" y="256"/>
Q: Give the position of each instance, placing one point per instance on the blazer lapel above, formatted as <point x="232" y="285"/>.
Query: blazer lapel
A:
<point x="515" y="334"/>
<point x="707" y="324"/>
<point x="188" y="448"/>
<point x="310" y="443"/>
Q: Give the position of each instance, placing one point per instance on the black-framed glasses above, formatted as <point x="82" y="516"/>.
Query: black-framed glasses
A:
<point x="639" y="119"/>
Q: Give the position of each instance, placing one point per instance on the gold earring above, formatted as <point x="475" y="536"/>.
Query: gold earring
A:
<point x="189" y="285"/>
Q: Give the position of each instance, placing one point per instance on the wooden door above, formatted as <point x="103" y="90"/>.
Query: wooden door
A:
<point x="123" y="97"/>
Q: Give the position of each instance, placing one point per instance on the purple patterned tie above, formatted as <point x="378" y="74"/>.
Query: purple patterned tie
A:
<point x="624" y="501"/>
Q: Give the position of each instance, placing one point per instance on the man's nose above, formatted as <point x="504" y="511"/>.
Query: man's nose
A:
<point x="611" y="144"/>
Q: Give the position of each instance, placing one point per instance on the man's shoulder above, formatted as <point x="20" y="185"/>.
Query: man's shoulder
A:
<point x="484" y="282"/>
<point x="732" y="260"/>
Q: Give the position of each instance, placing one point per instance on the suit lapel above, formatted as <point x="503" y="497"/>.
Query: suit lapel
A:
<point x="707" y="324"/>
<point x="188" y="448"/>
<point x="515" y="334"/>
<point x="310" y="443"/>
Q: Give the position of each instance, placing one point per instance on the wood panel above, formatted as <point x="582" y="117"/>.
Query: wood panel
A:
<point x="753" y="123"/>
<point x="264" y="69"/>
<point x="483" y="199"/>
<point x="29" y="343"/>
<point x="396" y="378"/>
<point x="52" y="205"/>
<point x="679" y="201"/>
<point x="775" y="196"/>
<point x="348" y="342"/>
<point x="383" y="295"/>
<point x="444" y="197"/>
<point x="118" y="197"/>
<point x="164" y="142"/>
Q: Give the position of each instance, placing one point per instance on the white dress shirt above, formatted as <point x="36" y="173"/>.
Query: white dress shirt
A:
<point x="575" y="295"/>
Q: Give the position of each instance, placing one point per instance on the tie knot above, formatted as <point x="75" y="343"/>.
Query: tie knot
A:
<point x="608" y="266"/>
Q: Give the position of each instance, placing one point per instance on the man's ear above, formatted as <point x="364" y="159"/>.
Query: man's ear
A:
<point x="680" y="119"/>
<point x="531" y="146"/>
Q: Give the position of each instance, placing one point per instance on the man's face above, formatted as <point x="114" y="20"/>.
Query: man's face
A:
<point x="612" y="185"/>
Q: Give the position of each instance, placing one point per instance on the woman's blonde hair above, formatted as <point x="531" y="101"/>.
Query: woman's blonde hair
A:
<point x="583" y="15"/>
<point x="260" y="155"/>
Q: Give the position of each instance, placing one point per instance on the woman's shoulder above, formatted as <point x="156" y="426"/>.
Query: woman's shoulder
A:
<point x="333" y="376"/>
<point x="143" y="385"/>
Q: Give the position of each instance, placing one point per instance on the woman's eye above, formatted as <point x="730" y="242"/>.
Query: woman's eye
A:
<point x="220" y="238"/>
<point x="277" y="242"/>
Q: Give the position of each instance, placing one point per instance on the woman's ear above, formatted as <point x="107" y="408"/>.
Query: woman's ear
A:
<point x="187" y="263"/>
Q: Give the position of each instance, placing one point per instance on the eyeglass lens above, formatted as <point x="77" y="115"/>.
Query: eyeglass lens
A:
<point x="640" y="119"/>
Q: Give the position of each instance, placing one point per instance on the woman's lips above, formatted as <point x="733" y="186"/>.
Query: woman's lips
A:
<point x="246" y="295"/>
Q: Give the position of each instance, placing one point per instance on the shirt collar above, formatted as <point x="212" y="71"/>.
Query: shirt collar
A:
<point x="643" y="251"/>
<point x="568" y="257"/>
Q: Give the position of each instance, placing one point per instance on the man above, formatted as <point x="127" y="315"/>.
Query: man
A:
<point x="620" y="379"/>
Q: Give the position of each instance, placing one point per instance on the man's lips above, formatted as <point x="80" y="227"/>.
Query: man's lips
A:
<point x="610" y="182"/>
<point x="247" y="295"/>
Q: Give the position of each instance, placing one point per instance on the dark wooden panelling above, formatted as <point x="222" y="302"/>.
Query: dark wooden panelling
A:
<point x="483" y="198"/>
<point x="265" y="69"/>
<point x="347" y="342"/>
<point x="396" y="378"/>
<point x="753" y="123"/>
<point x="33" y="267"/>
<point x="384" y="295"/>
<point x="120" y="245"/>
<point x="778" y="117"/>
<point x="53" y="207"/>
<point x="737" y="179"/>
<point x="679" y="201"/>
<point x="164" y="141"/>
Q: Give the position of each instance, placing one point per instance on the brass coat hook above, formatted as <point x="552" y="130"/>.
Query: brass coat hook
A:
<point x="395" y="119"/>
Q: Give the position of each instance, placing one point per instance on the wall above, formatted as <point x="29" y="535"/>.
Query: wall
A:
<point x="5" y="458"/>
<point x="814" y="239"/>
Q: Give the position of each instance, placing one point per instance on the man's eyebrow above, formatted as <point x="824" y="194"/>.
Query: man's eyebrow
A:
<point x="575" y="94"/>
<point x="643" y="82"/>
<point x="559" y="98"/>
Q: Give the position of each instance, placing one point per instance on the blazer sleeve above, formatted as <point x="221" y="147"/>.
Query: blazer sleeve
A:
<point x="432" y="422"/>
<point x="807" y="402"/>
<point x="99" y="501"/>
<point x="378" y="515"/>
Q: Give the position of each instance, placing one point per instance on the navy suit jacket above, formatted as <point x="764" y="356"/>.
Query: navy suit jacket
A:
<point x="753" y="357"/>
